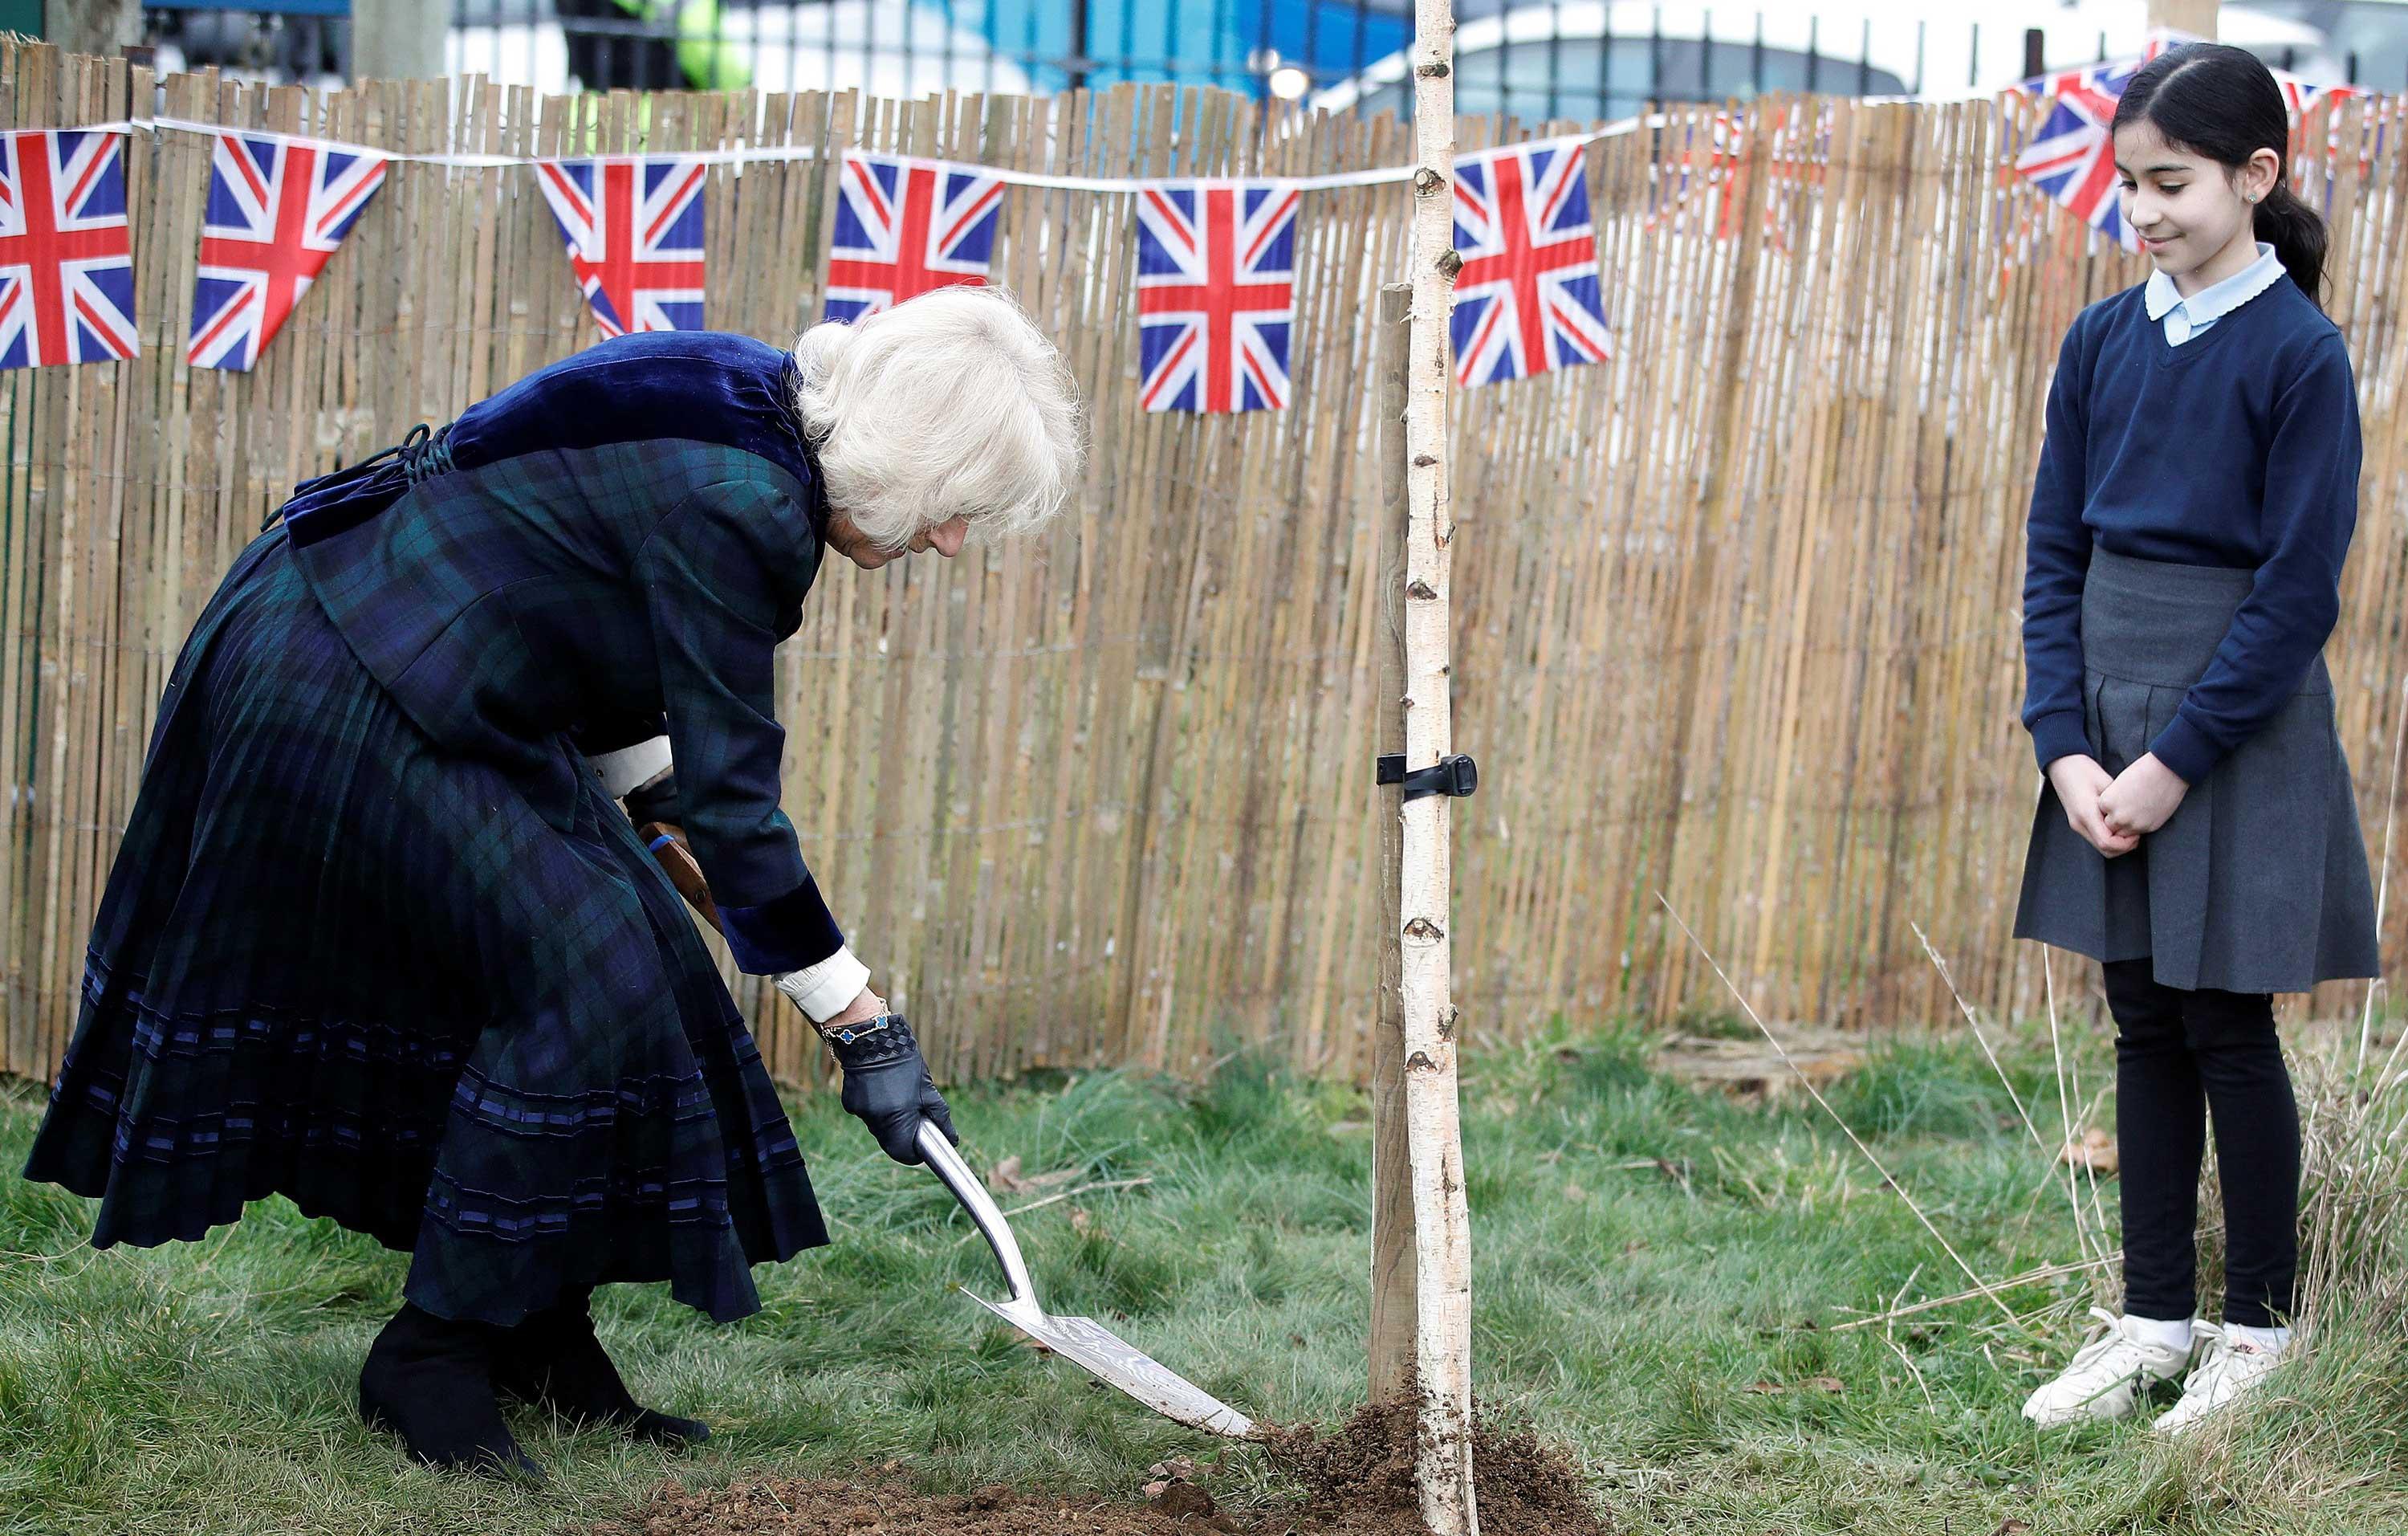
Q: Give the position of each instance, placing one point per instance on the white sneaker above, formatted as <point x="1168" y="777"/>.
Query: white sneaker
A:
<point x="2232" y="1365"/>
<point x="2107" y="1374"/>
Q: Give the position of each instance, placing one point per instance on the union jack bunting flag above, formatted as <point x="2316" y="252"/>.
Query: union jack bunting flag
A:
<point x="2296" y="92"/>
<point x="1215" y="294"/>
<point x="2071" y="156"/>
<point x="276" y="211"/>
<point x="906" y="226"/>
<point x="1714" y="159"/>
<point x="1711" y="159"/>
<point x="634" y="231"/>
<point x="67" y="254"/>
<point x="2090" y="76"/>
<point x="2299" y="95"/>
<point x="1527" y="298"/>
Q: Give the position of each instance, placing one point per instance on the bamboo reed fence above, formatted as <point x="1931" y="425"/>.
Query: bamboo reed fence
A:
<point x="1737" y="612"/>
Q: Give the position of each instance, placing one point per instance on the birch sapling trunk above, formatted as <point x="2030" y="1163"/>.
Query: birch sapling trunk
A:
<point x="1442" y="1245"/>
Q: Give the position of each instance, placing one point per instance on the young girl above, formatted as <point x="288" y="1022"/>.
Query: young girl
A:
<point x="2196" y="834"/>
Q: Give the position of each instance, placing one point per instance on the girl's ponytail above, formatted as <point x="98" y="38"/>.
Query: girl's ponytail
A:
<point x="2222" y="102"/>
<point x="2297" y="234"/>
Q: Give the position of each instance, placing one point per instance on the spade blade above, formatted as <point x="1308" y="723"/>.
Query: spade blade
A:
<point x="1082" y="1340"/>
<point x="1113" y="1358"/>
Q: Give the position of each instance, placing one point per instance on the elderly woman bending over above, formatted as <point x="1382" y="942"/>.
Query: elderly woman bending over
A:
<point x="380" y="938"/>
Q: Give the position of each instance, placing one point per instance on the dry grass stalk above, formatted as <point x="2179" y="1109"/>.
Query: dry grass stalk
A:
<point x="2382" y="869"/>
<point x="2028" y="1277"/>
<point x="1983" y="1040"/>
<point x="2065" y="1107"/>
<point x="1982" y="1287"/>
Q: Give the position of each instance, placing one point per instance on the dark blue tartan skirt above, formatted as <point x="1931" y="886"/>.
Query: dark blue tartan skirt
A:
<point x="335" y="963"/>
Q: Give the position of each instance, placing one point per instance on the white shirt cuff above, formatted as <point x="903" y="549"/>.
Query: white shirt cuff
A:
<point x="632" y="767"/>
<point x="824" y="990"/>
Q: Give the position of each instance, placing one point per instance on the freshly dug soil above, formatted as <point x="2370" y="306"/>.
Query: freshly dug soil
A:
<point x="813" y="1507"/>
<point x="1357" y="1481"/>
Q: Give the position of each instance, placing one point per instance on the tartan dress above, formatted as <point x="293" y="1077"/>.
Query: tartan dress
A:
<point x="378" y="940"/>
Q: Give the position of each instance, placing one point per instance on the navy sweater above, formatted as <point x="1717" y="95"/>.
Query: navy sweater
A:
<point x="2239" y="448"/>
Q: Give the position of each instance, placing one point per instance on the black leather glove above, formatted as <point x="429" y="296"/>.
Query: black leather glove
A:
<point x="887" y="1085"/>
<point x="654" y="802"/>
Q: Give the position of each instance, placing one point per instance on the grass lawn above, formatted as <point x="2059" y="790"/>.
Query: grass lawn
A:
<point x="1659" y="1277"/>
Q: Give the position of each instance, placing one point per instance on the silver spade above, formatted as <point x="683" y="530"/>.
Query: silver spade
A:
<point x="1082" y="1341"/>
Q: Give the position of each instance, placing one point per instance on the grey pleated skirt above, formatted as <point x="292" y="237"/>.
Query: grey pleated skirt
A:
<point x="2258" y="882"/>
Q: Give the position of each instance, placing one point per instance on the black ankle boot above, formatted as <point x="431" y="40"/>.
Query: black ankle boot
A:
<point x="429" y="1380"/>
<point x="553" y="1360"/>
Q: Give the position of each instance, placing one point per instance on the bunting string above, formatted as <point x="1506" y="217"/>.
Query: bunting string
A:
<point x="747" y="155"/>
<point x="1215" y="298"/>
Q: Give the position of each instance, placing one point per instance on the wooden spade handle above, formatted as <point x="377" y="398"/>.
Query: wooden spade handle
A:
<point x="668" y="846"/>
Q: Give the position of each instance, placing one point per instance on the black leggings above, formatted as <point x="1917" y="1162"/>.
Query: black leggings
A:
<point x="2178" y="1057"/>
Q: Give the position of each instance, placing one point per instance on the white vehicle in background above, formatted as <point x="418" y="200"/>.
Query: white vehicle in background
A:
<point x="1609" y="58"/>
<point x="884" y="48"/>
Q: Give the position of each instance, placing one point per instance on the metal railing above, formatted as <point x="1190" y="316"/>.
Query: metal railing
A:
<point x="1552" y="59"/>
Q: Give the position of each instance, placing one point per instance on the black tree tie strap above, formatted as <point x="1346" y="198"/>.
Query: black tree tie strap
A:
<point x="1454" y="775"/>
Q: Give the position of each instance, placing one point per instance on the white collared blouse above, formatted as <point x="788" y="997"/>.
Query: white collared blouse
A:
<point x="2184" y="318"/>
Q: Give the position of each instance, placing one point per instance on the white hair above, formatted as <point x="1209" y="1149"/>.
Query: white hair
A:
<point x="951" y="404"/>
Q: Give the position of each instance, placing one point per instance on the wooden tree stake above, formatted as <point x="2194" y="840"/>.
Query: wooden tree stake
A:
<point x="1395" y="1328"/>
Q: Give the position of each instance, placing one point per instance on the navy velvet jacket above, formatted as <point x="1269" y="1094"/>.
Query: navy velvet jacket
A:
<point x="622" y="536"/>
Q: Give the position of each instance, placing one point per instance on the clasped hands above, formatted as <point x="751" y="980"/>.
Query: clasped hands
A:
<point x="2114" y="813"/>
